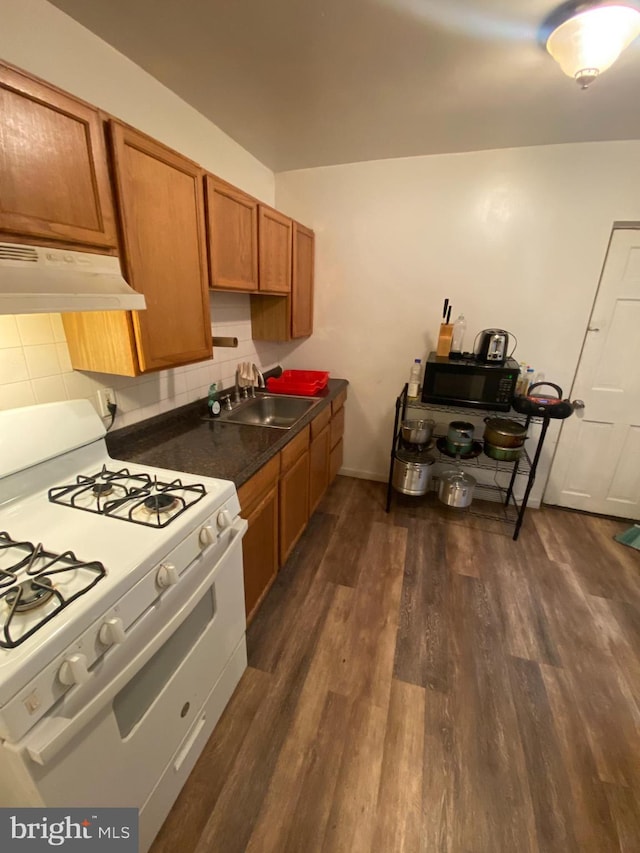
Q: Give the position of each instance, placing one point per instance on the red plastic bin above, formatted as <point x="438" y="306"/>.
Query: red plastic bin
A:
<point x="303" y="382"/>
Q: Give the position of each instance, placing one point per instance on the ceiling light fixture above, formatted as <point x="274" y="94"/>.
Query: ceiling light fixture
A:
<point x="586" y="38"/>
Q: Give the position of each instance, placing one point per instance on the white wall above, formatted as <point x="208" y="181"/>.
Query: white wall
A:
<point x="34" y="360"/>
<point x="515" y="238"/>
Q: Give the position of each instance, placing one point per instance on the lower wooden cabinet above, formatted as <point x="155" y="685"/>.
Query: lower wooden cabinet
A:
<point x="335" y="461"/>
<point x="259" y="505"/>
<point x="279" y="499"/>
<point x="336" y="433"/>
<point x="319" y="458"/>
<point x="294" y="492"/>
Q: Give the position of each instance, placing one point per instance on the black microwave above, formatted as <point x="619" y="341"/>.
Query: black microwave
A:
<point x="469" y="383"/>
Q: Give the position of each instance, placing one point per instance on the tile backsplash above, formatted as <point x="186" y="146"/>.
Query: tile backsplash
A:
<point x="35" y="366"/>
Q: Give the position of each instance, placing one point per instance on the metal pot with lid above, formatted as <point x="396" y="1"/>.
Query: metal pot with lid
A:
<point x="456" y="488"/>
<point x="504" y="432"/>
<point x="460" y="437"/>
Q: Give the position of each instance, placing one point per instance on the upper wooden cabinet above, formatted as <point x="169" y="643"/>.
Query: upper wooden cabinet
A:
<point x="302" y="281"/>
<point x="274" y="242"/>
<point x="282" y="318"/>
<point x="54" y="183"/>
<point x="161" y="207"/>
<point x="232" y="232"/>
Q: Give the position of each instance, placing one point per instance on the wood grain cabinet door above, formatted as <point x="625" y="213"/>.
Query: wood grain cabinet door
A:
<point x="302" y="282"/>
<point x="274" y="242"/>
<point x="318" y="468"/>
<point x="335" y="460"/>
<point x="54" y="181"/>
<point x="260" y="551"/>
<point x="294" y="504"/>
<point x="161" y="205"/>
<point x="232" y="232"/>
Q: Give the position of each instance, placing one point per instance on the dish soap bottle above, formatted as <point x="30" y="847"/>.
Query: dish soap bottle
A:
<point x="459" y="328"/>
<point x="414" y="379"/>
<point x="213" y="404"/>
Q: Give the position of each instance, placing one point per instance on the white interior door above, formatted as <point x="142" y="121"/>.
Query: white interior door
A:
<point x="597" y="462"/>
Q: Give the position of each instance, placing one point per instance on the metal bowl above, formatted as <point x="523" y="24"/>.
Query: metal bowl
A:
<point x="417" y="432"/>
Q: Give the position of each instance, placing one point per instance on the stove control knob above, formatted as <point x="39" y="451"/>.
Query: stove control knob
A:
<point x="224" y="519"/>
<point x="206" y="536"/>
<point x="112" y="632"/>
<point x="167" y="575"/>
<point x="74" y="670"/>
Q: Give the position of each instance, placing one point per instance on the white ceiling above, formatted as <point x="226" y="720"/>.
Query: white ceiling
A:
<point x="303" y="83"/>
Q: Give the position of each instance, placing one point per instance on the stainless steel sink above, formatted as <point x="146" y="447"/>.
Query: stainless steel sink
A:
<point x="269" y="410"/>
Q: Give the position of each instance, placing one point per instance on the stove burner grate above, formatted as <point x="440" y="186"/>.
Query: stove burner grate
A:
<point x="160" y="503"/>
<point x="138" y="498"/>
<point x="29" y="594"/>
<point x="100" y="490"/>
<point x="34" y="572"/>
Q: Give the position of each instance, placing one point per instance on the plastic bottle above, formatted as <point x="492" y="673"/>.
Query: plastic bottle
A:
<point x="213" y="404"/>
<point x="414" y="379"/>
<point x="459" y="328"/>
<point x="521" y="384"/>
<point x="530" y="377"/>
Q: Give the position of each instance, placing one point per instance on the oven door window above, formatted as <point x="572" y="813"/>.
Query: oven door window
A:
<point x="134" y="700"/>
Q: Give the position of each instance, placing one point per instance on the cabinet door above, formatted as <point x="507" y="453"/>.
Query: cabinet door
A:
<point x="318" y="468"/>
<point x="294" y="504"/>
<point x="335" y="461"/>
<point x="260" y="551"/>
<point x="232" y="231"/>
<point x="337" y="426"/>
<point x="302" y="282"/>
<point x="54" y="182"/>
<point x="161" y="207"/>
<point x="274" y="241"/>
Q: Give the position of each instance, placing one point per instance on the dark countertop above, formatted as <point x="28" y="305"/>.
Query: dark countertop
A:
<point x="182" y="441"/>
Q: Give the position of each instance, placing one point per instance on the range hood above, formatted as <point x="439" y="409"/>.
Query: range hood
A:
<point x="38" y="280"/>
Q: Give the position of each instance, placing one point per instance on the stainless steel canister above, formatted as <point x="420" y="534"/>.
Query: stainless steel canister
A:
<point x="411" y="473"/>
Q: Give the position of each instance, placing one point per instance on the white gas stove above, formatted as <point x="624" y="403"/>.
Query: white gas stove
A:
<point x="121" y="616"/>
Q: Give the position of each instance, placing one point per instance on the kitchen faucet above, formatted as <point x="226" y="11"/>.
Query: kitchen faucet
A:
<point x="236" y="395"/>
<point x="257" y="375"/>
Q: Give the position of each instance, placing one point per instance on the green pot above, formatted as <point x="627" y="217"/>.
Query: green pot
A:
<point x="502" y="454"/>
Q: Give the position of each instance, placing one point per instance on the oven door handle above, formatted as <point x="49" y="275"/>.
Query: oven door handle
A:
<point x="45" y="741"/>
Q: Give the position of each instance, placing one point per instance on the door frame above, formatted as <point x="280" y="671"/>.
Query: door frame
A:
<point x="616" y="226"/>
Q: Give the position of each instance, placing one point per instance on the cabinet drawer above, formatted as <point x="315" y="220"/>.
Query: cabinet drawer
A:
<point x="293" y="450"/>
<point x="338" y="402"/>
<point x="320" y="422"/>
<point x="337" y="427"/>
<point x="254" y="489"/>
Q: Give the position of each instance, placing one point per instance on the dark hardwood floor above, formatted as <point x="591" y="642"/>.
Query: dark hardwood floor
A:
<point x="419" y="682"/>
